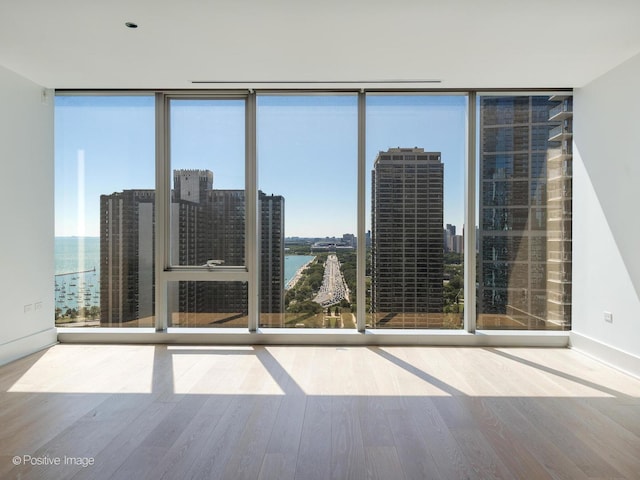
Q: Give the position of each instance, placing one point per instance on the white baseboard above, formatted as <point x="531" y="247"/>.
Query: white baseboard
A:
<point x="21" y="347"/>
<point x="607" y="354"/>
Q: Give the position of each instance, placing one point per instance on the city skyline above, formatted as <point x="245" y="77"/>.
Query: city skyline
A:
<point x="106" y="144"/>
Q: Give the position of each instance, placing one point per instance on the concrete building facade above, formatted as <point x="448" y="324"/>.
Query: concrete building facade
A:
<point x="206" y="224"/>
<point x="407" y="238"/>
<point x="127" y="275"/>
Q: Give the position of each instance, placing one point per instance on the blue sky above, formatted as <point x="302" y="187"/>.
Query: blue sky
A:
<point x="307" y="151"/>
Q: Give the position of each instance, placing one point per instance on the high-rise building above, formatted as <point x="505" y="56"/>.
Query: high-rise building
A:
<point x="559" y="212"/>
<point x="271" y="253"/>
<point x="127" y="279"/>
<point x="407" y="238"/>
<point x="349" y="240"/>
<point x="524" y="266"/>
<point x="457" y="244"/>
<point x="449" y="234"/>
<point x="206" y="224"/>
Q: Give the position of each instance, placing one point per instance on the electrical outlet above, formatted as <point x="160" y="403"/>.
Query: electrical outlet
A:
<point x="37" y="306"/>
<point x="28" y="308"/>
<point x="608" y="317"/>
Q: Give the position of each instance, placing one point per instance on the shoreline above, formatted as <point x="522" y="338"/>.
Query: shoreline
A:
<point x="298" y="275"/>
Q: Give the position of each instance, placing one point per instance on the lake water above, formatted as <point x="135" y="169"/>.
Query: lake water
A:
<point x="77" y="272"/>
<point x="77" y="268"/>
<point x="292" y="264"/>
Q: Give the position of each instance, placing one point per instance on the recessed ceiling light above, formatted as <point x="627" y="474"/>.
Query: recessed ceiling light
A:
<point x="131" y="25"/>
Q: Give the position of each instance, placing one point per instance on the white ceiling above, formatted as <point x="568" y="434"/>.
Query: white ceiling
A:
<point x="464" y="43"/>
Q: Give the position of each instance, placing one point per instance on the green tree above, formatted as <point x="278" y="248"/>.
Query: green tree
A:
<point x="305" y="307"/>
<point x="453" y="293"/>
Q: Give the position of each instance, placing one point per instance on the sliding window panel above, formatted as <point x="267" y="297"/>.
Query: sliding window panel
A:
<point x="416" y="156"/>
<point x="208" y="207"/>
<point x="524" y="210"/>
<point x="307" y="163"/>
<point x="104" y="211"/>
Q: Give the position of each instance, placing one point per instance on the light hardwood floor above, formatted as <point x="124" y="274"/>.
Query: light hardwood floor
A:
<point x="163" y="412"/>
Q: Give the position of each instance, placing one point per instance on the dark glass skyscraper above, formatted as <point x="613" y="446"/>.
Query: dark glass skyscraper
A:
<point x="524" y="268"/>
<point x="271" y="253"/>
<point x="407" y="239"/>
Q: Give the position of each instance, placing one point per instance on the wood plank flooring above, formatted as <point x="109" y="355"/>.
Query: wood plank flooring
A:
<point x="179" y="412"/>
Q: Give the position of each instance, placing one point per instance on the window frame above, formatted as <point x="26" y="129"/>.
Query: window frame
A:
<point x="166" y="273"/>
<point x="170" y="272"/>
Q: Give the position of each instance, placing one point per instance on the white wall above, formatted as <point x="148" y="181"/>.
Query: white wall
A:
<point x="26" y="216"/>
<point x="606" y="216"/>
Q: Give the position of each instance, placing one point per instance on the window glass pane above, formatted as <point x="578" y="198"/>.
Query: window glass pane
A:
<point x="307" y="162"/>
<point x="416" y="150"/>
<point x="208" y="304"/>
<point x="524" y="238"/>
<point x="104" y="208"/>
<point x="207" y="182"/>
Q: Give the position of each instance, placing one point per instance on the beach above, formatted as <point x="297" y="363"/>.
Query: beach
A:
<point x="296" y="277"/>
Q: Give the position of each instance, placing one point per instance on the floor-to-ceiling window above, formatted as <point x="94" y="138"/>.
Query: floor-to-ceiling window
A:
<point x="207" y="209"/>
<point x="324" y="210"/>
<point x="416" y="156"/>
<point x="104" y="211"/>
<point x="524" y="202"/>
<point x="307" y="154"/>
